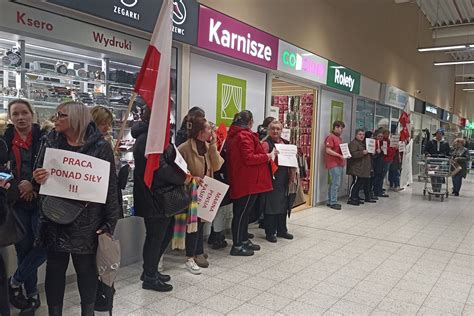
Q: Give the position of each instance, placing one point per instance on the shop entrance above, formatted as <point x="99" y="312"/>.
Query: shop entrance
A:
<point x="295" y="106"/>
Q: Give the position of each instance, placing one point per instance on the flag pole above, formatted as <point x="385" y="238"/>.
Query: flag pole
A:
<point x="125" y="120"/>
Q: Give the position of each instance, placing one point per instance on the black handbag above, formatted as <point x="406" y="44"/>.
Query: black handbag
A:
<point x="62" y="211"/>
<point x="12" y="230"/>
<point x="172" y="199"/>
<point x="104" y="299"/>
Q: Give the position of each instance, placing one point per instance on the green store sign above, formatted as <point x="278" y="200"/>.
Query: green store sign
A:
<point x="342" y="78"/>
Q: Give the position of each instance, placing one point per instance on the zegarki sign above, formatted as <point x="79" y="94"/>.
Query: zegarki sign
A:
<point x="224" y="35"/>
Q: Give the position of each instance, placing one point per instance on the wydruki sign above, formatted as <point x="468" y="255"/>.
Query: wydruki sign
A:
<point x="141" y="14"/>
<point x="225" y="35"/>
<point x="342" y="78"/>
<point x="296" y="61"/>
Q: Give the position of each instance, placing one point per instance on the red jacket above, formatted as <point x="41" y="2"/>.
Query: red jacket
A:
<point x="248" y="171"/>
<point x="391" y="151"/>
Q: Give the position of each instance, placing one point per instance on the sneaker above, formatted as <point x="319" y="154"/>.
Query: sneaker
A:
<point x="336" y="206"/>
<point x="249" y="245"/>
<point x="34" y="303"/>
<point x="192" y="267"/>
<point x="201" y="261"/>
<point x="241" y="251"/>
<point x="398" y="189"/>
<point x="285" y="235"/>
<point x="160" y="265"/>
<point x="271" y="238"/>
<point x="17" y="298"/>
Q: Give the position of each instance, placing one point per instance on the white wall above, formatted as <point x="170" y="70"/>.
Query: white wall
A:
<point x="203" y="86"/>
<point x="324" y="128"/>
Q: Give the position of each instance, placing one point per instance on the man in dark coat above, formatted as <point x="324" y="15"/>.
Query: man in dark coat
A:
<point x="437" y="148"/>
<point x="359" y="167"/>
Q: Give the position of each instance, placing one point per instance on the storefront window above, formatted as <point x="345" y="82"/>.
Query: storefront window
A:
<point x="394" y="120"/>
<point x="382" y="116"/>
<point x="365" y="114"/>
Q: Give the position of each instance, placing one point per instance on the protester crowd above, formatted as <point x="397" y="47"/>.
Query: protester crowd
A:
<point x="259" y="189"/>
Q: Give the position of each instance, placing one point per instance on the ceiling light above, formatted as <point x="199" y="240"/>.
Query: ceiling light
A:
<point x="467" y="89"/>
<point x="472" y="45"/>
<point x="450" y="63"/>
<point x="440" y="48"/>
<point x="464" y="82"/>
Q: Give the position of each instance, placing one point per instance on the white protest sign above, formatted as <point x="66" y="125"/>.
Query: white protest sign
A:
<point x="394" y="140"/>
<point x="180" y="162"/>
<point x="287" y="155"/>
<point x="370" y="145"/>
<point x="210" y="196"/>
<point x="346" y="153"/>
<point x="401" y="147"/>
<point x="384" y="147"/>
<point x="286" y="134"/>
<point x="75" y="176"/>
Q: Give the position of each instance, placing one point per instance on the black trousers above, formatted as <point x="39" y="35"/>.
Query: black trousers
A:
<point x="359" y="183"/>
<point x="4" y="304"/>
<point x="195" y="241"/>
<point x="240" y="222"/>
<point x="55" y="283"/>
<point x="159" y="232"/>
<point x="275" y="224"/>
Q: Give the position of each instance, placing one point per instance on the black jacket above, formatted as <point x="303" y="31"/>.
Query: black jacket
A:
<point x="80" y="236"/>
<point x="431" y="148"/>
<point x="167" y="174"/>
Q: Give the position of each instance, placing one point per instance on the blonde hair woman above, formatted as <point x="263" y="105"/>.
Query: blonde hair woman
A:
<point x="103" y="118"/>
<point x="75" y="132"/>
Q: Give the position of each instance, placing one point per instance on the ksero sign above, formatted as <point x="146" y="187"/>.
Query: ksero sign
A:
<point x="224" y="35"/>
<point x="342" y="78"/>
<point x="301" y="63"/>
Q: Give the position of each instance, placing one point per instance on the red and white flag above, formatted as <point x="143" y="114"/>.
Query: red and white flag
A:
<point x="153" y="84"/>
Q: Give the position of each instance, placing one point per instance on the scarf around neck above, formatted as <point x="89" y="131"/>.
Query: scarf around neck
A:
<point x="18" y="143"/>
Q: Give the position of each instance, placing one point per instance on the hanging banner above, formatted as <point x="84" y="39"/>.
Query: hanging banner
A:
<point x="75" y="176"/>
<point x="210" y="196"/>
<point x="406" y="176"/>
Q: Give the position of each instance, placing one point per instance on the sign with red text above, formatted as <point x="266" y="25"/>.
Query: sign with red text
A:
<point x="210" y="196"/>
<point x="75" y="176"/>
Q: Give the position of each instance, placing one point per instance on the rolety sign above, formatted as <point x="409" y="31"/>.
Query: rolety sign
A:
<point x="301" y="63"/>
<point x="227" y="36"/>
<point x="342" y="78"/>
<point x="141" y="14"/>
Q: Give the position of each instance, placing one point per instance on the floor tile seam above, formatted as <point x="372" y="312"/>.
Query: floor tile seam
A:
<point x="465" y="304"/>
<point x="448" y="228"/>
<point x="465" y="236"/>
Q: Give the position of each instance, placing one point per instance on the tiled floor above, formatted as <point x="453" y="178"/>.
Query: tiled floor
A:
<point x="404" y="255"/>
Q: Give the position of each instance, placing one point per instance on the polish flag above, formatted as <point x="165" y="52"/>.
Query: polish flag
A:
<point x="153" y="84"/>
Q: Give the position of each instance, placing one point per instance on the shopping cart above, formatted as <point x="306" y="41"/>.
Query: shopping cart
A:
<point x="421" y="162"/>
<point x="437" y="172"/>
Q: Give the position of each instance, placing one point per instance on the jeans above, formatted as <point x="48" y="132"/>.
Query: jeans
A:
<point x="275" y="224"/>
<point x="29" y="257"/>
<point x="195" y="241"/>
<point x="159" y="232"/>
<point x="359" y="183"/>
<point x="457" y="182"/>
<point x="4" y="304"/>
<point x="55" y="283"/>
<point x="240" y="222"/>
<point x="394" y="178"/>
<point x="336" y="177"/>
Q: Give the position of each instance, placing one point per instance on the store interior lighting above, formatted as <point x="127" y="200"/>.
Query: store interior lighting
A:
<point x="464" y="82"/>
<point x="442" y="48"/>
<point x="451" y="63"/>
<point x="471" y="89"/>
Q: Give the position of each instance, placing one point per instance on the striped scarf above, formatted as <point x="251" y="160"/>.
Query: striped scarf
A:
<point x="186" y="222"/>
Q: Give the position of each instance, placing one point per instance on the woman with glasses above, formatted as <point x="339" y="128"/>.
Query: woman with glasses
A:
<point x="23" y="139"/>
<point x="75" y="132"/>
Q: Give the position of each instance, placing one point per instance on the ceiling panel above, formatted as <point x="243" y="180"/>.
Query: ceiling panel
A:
<point x="447" y="12"/>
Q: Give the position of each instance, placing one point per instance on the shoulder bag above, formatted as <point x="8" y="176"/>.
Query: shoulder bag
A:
<point x="172" y="199"/>
<point x="62" y="211"/>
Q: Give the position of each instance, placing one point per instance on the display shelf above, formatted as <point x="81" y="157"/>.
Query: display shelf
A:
<point x="64" y="77"/>
<point x="120" y="85"/>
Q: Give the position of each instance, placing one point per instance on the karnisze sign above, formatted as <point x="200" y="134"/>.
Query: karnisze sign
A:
<point x="342" y="78"/>
<point x="301" y="63"/>
<point x="227" y="36"/>
<point x="394" y="96"/>
<point x="141" y="14"/>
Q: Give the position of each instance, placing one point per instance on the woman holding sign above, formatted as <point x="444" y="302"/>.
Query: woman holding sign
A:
<point x="203" y="159"/>
<point x="75" y="132"/>
<point x="276" y="202"/>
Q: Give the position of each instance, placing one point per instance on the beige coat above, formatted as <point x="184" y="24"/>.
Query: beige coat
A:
<point x="197" y="163"/>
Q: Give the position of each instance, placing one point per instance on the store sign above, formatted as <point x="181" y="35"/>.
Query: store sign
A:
<point x="37" y="23"/>
<point x="393" y="96"/>
<point x="231" y="98"/>
<point x="301" y="63"/>
<point x="222" y="34"/>
<point x="142" y="14"/>
<point x="342" y="78"/>
<point x="431" y="109"/>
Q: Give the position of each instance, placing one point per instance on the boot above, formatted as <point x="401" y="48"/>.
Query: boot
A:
<point x="87" y="309"/>
<point x="56" y="310"/>
<point x="213" y="236"/>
